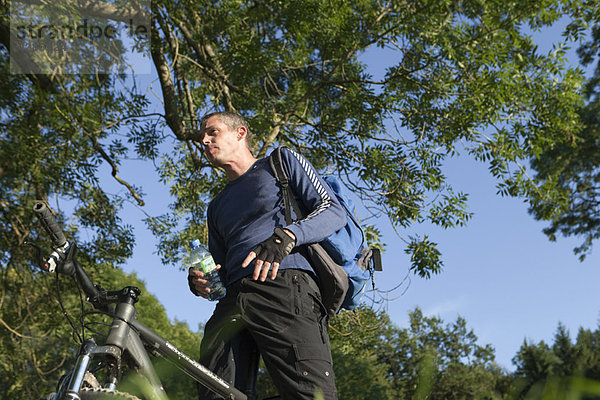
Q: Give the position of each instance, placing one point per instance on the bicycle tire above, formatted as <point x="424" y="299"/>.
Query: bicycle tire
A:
<point x="99" y="394"/>
<point x="105" y="394"/>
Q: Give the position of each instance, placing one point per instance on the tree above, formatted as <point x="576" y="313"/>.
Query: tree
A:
<point x="462" y="76"/>
<point x="437" y="361"/>
<point x="356" y="345"/>
<point x="573" y="167"/>
<point x="564" y="368"/>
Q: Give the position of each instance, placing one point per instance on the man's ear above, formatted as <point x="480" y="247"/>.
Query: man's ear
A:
<point x="241" y="133"/>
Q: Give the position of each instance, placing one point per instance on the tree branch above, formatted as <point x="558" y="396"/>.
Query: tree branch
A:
<point x="168" y="89"/>
<point x="127" y="15"/>
<point x="202" y="53"/>
<point x="115" y="169"/>
<point x="3" y="323"/>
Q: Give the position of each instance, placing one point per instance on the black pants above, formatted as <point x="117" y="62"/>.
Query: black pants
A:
<point x="285" y="320"/>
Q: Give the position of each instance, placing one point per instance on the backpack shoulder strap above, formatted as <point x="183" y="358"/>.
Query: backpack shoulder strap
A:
<point x="288" y="199"/>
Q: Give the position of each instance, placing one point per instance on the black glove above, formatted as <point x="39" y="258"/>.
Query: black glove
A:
<point x="275" y="248"/>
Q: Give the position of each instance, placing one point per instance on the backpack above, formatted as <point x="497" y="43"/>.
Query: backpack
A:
<point x="349" y="264"/>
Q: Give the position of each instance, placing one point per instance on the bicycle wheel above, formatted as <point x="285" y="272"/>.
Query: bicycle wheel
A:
<point x="104" y="394"/>
<point x="98" y="394"/>
<point x="92" y="390"/>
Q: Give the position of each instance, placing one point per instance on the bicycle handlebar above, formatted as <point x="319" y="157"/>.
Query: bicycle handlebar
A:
<point x="50" y="225"/>
<point x="61" y="246"/>
<point x="65" y="253"/>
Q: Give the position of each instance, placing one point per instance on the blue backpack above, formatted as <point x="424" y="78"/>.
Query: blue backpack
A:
<point x="346" y="246"/>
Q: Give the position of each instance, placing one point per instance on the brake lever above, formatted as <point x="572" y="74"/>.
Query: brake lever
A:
<point x="39" y="257"/>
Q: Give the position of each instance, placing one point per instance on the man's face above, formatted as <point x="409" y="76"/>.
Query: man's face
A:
<point x="220" y="141"/>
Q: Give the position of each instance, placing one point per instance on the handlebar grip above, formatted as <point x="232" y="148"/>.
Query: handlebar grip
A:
<point x="49" y="223"/>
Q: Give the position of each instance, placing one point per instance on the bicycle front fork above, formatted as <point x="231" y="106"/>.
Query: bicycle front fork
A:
<point x="88" y="351"/>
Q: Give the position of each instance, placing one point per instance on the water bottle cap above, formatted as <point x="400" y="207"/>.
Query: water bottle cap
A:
<point x="195" y="243"/>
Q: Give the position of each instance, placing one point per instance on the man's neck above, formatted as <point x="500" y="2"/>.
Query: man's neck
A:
<point x="239" y="167"/>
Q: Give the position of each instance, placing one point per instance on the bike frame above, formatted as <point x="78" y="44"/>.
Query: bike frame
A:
<point x="129" y="335"/>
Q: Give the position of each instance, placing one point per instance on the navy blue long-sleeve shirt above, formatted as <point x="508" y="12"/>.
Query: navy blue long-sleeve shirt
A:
<point x="245" y="213"/>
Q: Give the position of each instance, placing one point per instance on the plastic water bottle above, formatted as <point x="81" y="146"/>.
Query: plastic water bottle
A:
<point x="201" y="260"/>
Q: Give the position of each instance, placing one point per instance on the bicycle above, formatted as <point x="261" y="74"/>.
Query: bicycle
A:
<point x="98" y="367"/>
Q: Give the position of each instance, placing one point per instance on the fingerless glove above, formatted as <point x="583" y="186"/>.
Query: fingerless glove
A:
<point x="275" y="248"/>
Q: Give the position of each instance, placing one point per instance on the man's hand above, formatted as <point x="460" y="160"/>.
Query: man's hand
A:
<point x="270" y="253"/>
<point x="198" y="285"/>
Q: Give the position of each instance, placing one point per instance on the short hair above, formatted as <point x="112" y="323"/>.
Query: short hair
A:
<point x="233" y="120"/>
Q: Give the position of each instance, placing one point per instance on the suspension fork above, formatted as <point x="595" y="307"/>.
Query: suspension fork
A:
<point x="88" y="351"/>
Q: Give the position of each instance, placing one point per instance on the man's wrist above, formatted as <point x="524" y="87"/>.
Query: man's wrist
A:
<point x="288" y="238"/>
<point x="290" y="233"/>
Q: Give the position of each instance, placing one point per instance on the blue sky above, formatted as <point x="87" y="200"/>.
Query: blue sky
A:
<point x="500" y="272"/>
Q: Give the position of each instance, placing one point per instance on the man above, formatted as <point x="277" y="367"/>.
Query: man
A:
<point x="273" y="302"/>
